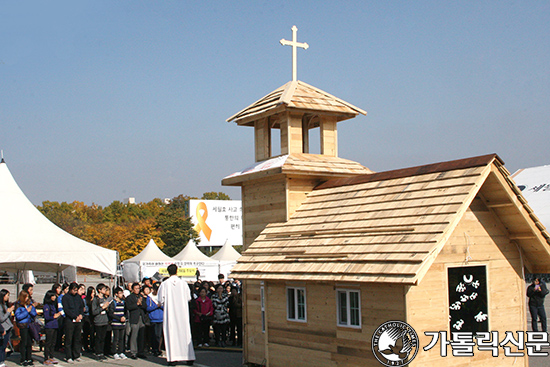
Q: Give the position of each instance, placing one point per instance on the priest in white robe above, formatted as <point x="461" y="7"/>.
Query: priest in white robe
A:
<point x="174" y="295"/>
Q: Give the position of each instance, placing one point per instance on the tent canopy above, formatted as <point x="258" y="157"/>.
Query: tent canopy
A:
<point x="29" y="241"/>
<point x="534" y="184"/>
<point x="151" y="252"/>
<point x="191" y="253"/>
<point x="226" y="253"/>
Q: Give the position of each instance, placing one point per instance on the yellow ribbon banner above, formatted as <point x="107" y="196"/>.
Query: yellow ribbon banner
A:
<point x="201" y="218"/>
<point x="182" y="272"/>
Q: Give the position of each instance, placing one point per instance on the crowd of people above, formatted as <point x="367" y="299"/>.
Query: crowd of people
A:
<point x="122" y="323"/>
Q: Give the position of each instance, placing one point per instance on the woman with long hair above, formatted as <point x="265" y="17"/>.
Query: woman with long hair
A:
<point x="220" y="301"/>
<point x="24" y="315"/>
<point x="51" y="316"/>
<point x="5" y="313"/>
<point x="88" y="321"/>
<point x="56" y="288"/>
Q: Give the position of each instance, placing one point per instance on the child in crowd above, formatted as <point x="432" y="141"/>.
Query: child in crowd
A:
<point x="51" y="316"/>
<point x="118" y="316"/>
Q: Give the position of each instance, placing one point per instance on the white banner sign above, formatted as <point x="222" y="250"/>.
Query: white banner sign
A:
<point x="217" y="221"/>
<point x="209" y="270"/>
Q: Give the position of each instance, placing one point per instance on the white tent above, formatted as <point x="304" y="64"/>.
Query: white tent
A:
<point x="151" y="252"/>
<point x="534" y="184"/>
<point x="191" y="253"/>
<point x="191" y="257"/>
<point x="227" y="256"/>
<point x="145" y="264"/>
<point x="29" y="241"/>
<point x="226" y="253"/>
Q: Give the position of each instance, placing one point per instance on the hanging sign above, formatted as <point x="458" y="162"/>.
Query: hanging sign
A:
<point x="468" y="309"/>
<point x="182" y="272"/>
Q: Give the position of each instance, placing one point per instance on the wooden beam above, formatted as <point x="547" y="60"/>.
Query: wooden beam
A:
<point x="342" y="231"/>
<point x="522" y="236"/>
<point x="499" y="205"/>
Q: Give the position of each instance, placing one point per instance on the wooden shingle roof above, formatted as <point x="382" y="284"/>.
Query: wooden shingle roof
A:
<point x="299" y="96"/>
<point x="300" y="163"/>
<point x="388" y="226"/>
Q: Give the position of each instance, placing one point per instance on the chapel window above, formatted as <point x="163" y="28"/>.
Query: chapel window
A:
<point x="349" y="307"/>
<point x="296" y="304"/>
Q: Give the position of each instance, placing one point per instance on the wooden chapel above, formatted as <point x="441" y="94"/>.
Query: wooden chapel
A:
<point x="332" y="250"/>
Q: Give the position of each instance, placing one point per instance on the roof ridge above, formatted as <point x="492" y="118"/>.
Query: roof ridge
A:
<point x="413" y="171"/>
<point x="359" y="110"/>
<point x="282" y="87"/>
<point x="288" y="93"/>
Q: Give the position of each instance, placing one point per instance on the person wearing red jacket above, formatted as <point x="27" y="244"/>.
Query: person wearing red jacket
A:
<point x="204" y="313"/>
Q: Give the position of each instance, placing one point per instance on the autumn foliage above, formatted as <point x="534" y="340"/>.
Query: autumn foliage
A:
<point x="127" y="228"/>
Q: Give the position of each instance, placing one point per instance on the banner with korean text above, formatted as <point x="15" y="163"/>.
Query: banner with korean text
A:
<point x="217" y="221"/>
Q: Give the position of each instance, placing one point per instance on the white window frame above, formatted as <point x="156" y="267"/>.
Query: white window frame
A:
<point x="347" y="292"/>
<point x="262" y="307"/>
<point x="296" y="305"/>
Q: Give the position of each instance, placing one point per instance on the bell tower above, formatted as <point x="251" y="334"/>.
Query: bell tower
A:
<point x="275" y="186"/>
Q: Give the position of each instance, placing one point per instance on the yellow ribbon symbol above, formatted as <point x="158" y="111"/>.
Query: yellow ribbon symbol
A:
<point x="202" y="226"/>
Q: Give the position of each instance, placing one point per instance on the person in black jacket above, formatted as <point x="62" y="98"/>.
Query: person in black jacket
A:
<point x="536" y="293"/>
<point x="137" y="308"/>
<point x="74" y="311"/>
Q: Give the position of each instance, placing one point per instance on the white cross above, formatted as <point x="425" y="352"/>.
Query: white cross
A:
<point x="295" y="44"/>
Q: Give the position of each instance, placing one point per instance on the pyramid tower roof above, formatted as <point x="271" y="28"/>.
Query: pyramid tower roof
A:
<point x="296" y="95"/>
<point x="298" y="163"/>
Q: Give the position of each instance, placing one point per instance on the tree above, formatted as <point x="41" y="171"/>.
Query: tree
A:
<point x="215" y="196"/>
<point x="127" y="228"/>
<point x="175" y="227"/>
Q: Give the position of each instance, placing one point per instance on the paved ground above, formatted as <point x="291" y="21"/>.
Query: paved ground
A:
<point x="205" y="358"/>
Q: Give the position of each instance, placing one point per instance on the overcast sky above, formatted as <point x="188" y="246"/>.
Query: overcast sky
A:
<point x="102" y="100"/>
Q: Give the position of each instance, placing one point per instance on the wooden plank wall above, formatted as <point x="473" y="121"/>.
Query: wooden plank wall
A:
<point x="298" y="188"/>
<point x="271" y="201"/>
<point x="480" y="233"/>
<point x="320" y="342"/>
<point x="262" y="204"/>
<point x="254" y="339"/>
